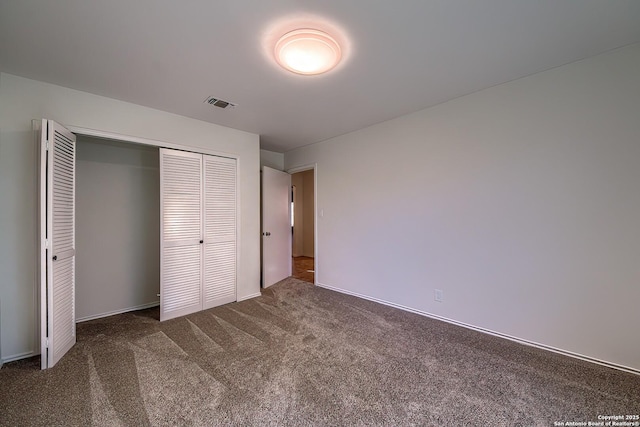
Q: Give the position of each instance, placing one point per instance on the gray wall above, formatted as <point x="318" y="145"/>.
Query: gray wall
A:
<point x="117" y="227"/>
<point x="520" y="202"/>
<point x="272" y="159"/>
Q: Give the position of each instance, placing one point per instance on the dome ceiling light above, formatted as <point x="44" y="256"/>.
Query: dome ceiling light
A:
<point x="307" y="52"/>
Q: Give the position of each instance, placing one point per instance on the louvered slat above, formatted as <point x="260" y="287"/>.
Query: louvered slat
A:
<point x="181" y="281"/>
<point x="198" y="202"/>
<point x="63" y="236"/>
<point x="181" y="215"/>
<point x="60" y="283"/>
<point x="64" y="318"/>
<point x="182" y="210"/>
<point x="219" y="274"/>
<point x="220" y="199"/>
<point x="220" y="231"/>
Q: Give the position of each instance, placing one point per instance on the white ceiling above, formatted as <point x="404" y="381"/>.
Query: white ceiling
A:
<point x="402" y="55"/>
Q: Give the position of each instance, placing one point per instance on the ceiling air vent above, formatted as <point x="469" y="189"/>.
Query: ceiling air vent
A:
<point x="217" y="102"/>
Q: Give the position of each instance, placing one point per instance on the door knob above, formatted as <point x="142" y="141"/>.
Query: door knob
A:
<point x="201" y="241"/>
<point x="54" y="258"/>
<point x="267" y="233"/>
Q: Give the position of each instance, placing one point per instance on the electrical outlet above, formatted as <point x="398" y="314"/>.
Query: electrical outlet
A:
<point x="438" y="295"/>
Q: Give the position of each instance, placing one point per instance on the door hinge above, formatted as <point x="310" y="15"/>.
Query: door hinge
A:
<point x="46" y="342"/>
<point x="47" y="145"/>
<point x="46" y="243"/>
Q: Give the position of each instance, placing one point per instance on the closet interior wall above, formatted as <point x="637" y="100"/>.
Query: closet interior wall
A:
<point x="117" y="227"/>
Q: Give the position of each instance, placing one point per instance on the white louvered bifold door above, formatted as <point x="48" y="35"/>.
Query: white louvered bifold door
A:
<point x="219" y="280"/>
<point x="60" y="157"/>
<point x="181" y="233"/>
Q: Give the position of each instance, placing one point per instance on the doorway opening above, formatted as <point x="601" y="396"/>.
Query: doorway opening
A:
<point x="303" y="225"/>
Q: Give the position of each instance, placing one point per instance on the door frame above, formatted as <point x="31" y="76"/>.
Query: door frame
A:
<point x="113" y="136"/>
<point x="314" y="167"/>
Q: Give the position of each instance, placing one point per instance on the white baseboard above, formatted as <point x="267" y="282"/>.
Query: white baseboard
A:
<point x="18" y="357"/>
<point x="246" y="297"/>
<point x="142" y="307"/>
<point x="114" y="312"/>
<point x="487" y="331"/>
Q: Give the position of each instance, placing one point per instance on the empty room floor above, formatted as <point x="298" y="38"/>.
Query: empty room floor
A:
<point x="304" y="355"/>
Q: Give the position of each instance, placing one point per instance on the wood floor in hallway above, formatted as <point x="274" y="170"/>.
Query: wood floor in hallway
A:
<point x="301" y="267"/>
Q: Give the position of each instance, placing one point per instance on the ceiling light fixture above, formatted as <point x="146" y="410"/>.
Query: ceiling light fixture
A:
<point x="307" y="52"/>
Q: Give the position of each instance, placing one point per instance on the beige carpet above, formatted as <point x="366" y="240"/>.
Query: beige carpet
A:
<point x="300" y="355"/>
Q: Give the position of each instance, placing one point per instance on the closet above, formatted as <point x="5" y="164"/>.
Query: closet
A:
<point x="198" y="232"/>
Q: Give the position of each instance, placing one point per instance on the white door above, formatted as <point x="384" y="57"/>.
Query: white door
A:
<point x="219" y="277"/>
<point x="180" y="233"/>
<point x="276" y="226"/>
<point x="57" y="231"/>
